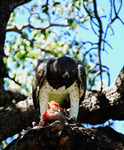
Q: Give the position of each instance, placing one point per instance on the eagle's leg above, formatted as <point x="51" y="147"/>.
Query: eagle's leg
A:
<point x="43" y="99"/>
<point x="74" y="101"/>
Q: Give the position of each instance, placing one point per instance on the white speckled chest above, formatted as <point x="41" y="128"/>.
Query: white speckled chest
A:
<point x="60" y="94"/>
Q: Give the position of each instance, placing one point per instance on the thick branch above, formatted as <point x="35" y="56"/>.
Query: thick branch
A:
<point x="16" y="3"/>
<point x="6" y="7"/>
<point x="9" y="96"/>
<point x="17" y="117"/>
<point x="59" y="135"/>
<point x="99" y="107"/>
<point x="95" y="109"/>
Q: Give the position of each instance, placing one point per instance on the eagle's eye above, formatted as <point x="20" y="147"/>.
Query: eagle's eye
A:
<point x="73" y="70"/>
<point x="60" y="70"/>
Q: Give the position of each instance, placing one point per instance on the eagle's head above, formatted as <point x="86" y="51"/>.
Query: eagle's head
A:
<point x="65" y="69"/>
<point x="61" y="71"/>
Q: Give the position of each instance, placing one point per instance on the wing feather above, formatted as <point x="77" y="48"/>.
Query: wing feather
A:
<point x="81" y="79"/>
<point x="39" y="77"/>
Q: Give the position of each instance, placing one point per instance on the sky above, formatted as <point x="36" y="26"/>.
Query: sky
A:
<point x="113" y="58"/>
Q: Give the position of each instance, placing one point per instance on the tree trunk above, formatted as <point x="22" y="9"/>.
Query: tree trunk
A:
<point x="6" y="7"/>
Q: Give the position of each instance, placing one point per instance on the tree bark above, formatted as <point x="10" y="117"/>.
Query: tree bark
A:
<point x="13" y="95"/>
<point x="61" y="136"/>
<point x="6" y="7"/>
<point x="17" y="117"/>
<point x="98" y="107"/>
<point x="95" y="109"/>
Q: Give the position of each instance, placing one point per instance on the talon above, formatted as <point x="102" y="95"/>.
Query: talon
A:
<point x="40" y="122"/>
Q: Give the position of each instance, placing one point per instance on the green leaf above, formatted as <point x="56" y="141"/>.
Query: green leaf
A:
<point x="56" y="4"/>
<point x="45" y="8"/>
<point x="70" y="21"/>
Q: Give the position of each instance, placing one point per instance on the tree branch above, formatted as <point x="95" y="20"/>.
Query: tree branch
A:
<point x="17" y="117"/>
<point x="95" y="109"/>
<point x="116" y="13"/>
<point x="17" y="3"/>
<point x="59" y="135"/>
<point x="11" y="95"/>
<point x="19" y="30"/>
<point x="6" y="7"/>
<point x="100" y="40"/>
<point x="98" y="107"/>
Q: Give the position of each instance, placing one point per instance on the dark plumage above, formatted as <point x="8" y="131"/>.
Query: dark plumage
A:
<point x="62" y="80"/>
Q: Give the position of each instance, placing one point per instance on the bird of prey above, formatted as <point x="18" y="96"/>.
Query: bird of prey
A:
<point x="61" y="79"/>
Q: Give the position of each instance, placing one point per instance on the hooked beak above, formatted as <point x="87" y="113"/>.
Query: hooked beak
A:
<point x="66" y="77"/>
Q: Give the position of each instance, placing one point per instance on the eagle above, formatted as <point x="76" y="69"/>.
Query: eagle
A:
<point x="61" y="79"/>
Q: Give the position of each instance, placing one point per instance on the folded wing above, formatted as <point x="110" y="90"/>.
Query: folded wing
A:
<point x="39" y="77"/>
<point x="81" y="79"/>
